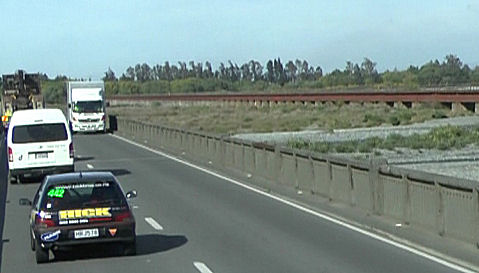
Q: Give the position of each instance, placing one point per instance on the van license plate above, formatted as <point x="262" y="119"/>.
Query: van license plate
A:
<point x="86" y="233"/>
<point x="41" y="155"/>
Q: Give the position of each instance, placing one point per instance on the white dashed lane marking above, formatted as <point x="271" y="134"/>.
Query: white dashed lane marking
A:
<point x="153" y="223"/>
<point x="415" y="249"/>
<point x="89" y="166"/>
<point x="202" y="267"/>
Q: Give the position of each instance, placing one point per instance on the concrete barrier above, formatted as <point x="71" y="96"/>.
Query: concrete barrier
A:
<point x="340" y="184"/>
<point x="261" y="162"/>
<point x="229" y="158"/>
<point x="444" y="205"/>
<point x="459" y="214"/>
<point x="249" y="160"/>
<point x="322" y="177"/>
<point x="362" y="189"/>
<point x="394" y="196"/>
<point x="287" y="173"/>
<point x="423" y="199"/>
<point x="305" y="173"/>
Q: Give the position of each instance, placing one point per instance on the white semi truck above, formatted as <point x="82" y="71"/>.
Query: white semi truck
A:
<point x="86" y="110"/>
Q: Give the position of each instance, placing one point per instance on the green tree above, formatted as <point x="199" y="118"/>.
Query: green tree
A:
<point x="109" y="75"/>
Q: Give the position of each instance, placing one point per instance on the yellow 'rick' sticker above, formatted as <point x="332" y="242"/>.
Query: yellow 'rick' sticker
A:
<point x="84" y="213"/>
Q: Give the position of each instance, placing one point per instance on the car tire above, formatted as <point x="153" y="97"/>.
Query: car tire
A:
<point x="32" y="242"/>
<point x="17" y="178"/>
<point x="129" y="249"/>
<point x="41" y="254"/>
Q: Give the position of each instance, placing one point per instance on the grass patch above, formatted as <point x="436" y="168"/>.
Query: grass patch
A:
<point x="220" y="118"/>
<point x="441" y="138"/>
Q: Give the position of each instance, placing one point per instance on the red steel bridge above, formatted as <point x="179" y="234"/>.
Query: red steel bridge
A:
<point x="467" y="99"/>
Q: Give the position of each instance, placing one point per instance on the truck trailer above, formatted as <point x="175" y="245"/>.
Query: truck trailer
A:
<point x="86" y="110"/>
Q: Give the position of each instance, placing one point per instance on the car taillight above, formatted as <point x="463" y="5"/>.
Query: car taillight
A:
<point x="74" y="118"/>
<point x="10" y="154"/>
<point x="103" y="118"/>
<point x="72" y="151"/>
<point x="44" y="222"/>
<point x="123" y="216"/>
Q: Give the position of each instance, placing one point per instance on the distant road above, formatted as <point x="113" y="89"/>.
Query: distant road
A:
<point x="190" y="221"/>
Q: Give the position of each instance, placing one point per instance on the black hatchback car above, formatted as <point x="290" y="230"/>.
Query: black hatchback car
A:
<point x="80" y="208"/>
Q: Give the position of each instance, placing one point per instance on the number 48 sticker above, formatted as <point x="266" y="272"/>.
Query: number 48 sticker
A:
<point x="56" y="193"/>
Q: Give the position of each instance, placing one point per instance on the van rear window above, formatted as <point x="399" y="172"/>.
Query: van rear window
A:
<point x="39" y="133"/>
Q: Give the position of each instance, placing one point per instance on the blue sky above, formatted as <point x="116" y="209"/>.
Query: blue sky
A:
<point x="82" y="38"/>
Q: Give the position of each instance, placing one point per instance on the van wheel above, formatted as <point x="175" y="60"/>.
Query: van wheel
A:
<point x="41" y="254"/>
<point x="10" y="178"/>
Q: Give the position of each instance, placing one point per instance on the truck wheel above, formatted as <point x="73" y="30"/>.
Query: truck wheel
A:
<point x="41" y="255"/>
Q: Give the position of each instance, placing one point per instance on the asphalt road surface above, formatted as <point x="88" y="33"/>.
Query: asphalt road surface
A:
<point x="191" y="221"/>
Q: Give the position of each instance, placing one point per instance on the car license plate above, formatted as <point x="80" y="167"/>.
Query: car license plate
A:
<point x="86" y="233"/>
<point x="41" y="155"/>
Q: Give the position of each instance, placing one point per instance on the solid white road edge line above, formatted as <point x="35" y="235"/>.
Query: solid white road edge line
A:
<point x="89" y="166"/>
<point x="153" y="223"/>
<point x="415" y="250"/>
<point x="202" y="267"/>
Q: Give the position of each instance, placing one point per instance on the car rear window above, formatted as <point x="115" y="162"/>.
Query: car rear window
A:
<point x="82" y="195"/>
<point x="39" y="133"/>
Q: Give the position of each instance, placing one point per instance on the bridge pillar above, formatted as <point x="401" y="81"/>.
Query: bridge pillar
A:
<point x="457" y="106"/>
<point x="469" y="106"/>
<point x="408" y="104"/>
<point x="416" y="104"/>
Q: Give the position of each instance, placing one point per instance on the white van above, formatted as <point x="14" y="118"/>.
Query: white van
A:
<point x="39" y="142"/>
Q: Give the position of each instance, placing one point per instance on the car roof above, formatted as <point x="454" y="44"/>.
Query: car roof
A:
<point x="78" y="177"/>
<point x="33" y="116"/>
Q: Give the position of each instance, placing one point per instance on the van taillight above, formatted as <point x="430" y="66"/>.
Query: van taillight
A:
<point x="122" y="216"/>
<point x="10" y="154"/>
<point x="103" y="118"/>
<point x="72" y="152"/>
<point x="43" y="222"/>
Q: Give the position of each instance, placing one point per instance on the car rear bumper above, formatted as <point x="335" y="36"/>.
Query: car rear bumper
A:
<point x="72" y="243"/>
<point x="124" y="233"/>
<point x="40" y="171"/>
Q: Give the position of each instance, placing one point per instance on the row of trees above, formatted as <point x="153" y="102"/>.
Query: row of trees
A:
<point x="253" y="76"/>
<point x="434" y="73"/>
<point x="273" y="72"/>
<point x="273" y="75"/>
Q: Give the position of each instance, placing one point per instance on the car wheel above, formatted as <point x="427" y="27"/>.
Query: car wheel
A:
<point x="32" y="242"/>
<point x="19" y="181"/>
<point x="129" y="249"/>
<point x="41" y="254"/>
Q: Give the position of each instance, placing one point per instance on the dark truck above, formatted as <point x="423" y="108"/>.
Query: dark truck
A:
<point x="20" y="91"/>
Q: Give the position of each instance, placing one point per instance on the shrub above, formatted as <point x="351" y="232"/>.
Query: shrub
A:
<point x="373" y="119"/>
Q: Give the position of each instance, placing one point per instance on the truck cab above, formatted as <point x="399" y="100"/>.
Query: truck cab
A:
<point x="86" y="106"/>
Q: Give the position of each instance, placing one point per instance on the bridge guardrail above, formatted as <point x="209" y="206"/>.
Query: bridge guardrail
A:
<point x="445" y="205"/>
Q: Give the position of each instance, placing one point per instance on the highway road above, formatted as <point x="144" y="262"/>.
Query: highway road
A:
<point x="191" y="221"/>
